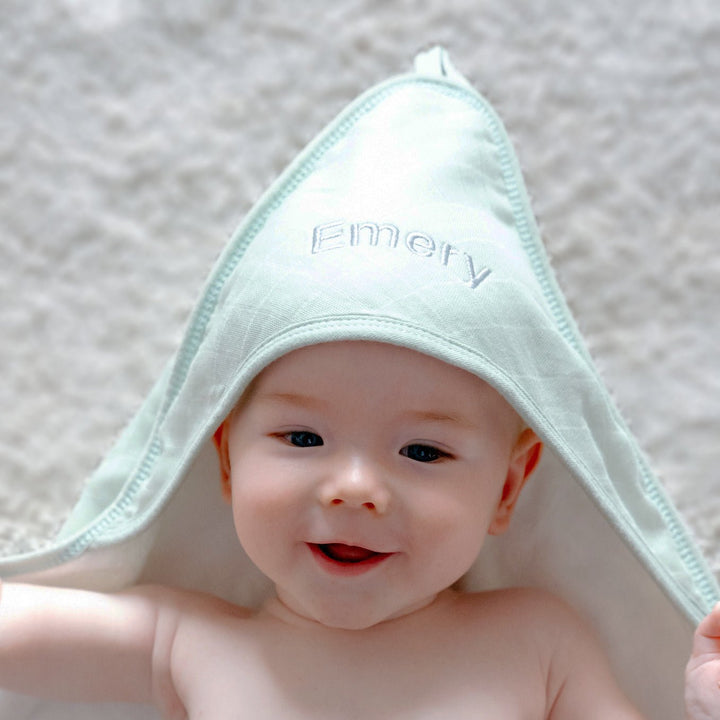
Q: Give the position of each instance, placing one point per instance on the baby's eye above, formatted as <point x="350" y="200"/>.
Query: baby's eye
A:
<point x="423" y="453"/>
<point x="303" y="439"/>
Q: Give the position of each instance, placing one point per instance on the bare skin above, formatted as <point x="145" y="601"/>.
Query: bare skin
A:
<point x="702" y="675"/>
<point x="363" y="502"/>
<point x="509" y="654"/>
<point x="198" y="657"/>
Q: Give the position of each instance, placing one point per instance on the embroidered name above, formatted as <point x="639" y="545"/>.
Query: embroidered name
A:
<point x="340" y="234"/>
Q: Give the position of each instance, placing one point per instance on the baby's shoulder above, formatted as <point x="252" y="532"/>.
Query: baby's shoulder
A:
<point x="578" y="674"/>
<point x="533" y="602"/>
<point x="531" y="611"/>
<point x="180" y="603"/>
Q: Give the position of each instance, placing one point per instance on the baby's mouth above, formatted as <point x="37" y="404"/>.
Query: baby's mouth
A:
<point x="340" y="552"/>
<point x="348" y="556"/>
<point x="347" y="560"/>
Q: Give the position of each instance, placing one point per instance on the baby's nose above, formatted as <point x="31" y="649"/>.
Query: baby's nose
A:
<point x="356" y="485"/>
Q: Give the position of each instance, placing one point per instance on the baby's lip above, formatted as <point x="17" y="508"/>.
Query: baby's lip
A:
<point x="345" y="553"/>
<point x="347" y="559"/>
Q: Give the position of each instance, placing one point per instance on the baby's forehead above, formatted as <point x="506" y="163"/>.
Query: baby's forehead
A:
<point x="342" y="368"/>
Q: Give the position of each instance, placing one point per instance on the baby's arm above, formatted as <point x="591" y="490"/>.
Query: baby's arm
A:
<point x="83" y="646"/>
<point x="702" y="676"/>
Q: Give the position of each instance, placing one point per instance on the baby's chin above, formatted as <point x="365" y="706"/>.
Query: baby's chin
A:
<point x="343" y="616"/>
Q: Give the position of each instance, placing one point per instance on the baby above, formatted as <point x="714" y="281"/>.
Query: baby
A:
<point x="364" y="502"/>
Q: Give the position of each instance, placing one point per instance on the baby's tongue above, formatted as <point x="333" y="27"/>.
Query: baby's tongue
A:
<point x="347" y="553"/>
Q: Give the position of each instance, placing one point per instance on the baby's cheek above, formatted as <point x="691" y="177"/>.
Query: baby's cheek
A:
<point x="453" y="536"/>
<point x="257" y="513"/>
<point x="257" y="505"/>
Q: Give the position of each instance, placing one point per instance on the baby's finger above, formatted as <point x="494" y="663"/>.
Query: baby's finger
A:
<point x="707" y="635"/>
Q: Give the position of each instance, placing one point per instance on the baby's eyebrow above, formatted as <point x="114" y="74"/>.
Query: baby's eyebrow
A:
<point x="421" y="416"/>
<point x="297" y="399"/>
<point x="433" y="416"/>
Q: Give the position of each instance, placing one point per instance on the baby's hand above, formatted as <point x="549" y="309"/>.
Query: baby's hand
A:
<point x="702" y="676"/>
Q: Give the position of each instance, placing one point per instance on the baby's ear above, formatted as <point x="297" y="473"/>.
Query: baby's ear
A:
<point x="220" y="440"/>
<point x="524" y="459"/>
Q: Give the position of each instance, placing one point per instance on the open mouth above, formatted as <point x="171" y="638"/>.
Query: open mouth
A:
<point x="347" y="553"/>
<point x="347" y="557"/>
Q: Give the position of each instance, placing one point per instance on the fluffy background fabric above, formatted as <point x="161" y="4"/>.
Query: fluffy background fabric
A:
<point x="135" y="135"/>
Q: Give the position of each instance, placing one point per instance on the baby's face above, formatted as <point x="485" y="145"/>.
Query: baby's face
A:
<point x="365" y="477"/>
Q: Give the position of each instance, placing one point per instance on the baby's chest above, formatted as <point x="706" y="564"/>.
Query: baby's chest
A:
<point x="297" y="681"/>
<point x="263" y="698"/>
